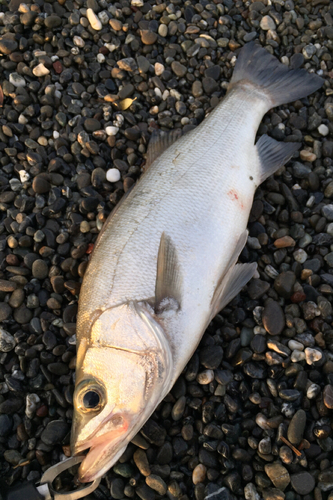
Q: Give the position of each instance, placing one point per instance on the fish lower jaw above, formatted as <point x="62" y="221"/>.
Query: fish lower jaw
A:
<point x="97" y="462"/>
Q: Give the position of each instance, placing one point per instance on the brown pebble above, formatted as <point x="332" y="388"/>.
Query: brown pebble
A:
<point x="7" y="286"/>
<point x="199" y="474"/>
<point x="284" y="242"/>
<point x="307" y="156"/>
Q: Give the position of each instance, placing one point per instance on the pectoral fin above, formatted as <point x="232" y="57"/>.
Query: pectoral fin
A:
<point x="168" y="277"/>
<point x="232" y="283"/>
<point x="159" y="142"/>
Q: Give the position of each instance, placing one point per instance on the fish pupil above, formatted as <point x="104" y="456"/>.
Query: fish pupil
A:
<point x="91" y="399"/>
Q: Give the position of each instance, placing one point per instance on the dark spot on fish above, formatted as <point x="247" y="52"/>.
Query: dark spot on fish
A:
<point x="251" y="178"/>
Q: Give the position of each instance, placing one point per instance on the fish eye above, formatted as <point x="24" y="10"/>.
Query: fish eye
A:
<point x="91" y="399"/>
<point x="90" y="396"/>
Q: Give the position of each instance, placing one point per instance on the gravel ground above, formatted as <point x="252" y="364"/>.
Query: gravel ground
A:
<point x="84" y="84"/>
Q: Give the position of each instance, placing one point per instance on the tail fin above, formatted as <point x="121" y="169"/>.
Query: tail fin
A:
<point x="280" y="84"/>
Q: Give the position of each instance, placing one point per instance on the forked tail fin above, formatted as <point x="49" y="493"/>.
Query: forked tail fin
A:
<point x="279" y="83"/>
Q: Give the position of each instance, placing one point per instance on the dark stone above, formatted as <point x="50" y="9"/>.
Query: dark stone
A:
<point x="273" y="318"/>
<point x="55" y="432"/>
<point x="302" y="482"/>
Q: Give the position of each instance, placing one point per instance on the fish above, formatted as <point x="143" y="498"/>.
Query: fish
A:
<point x="165" y="261"/>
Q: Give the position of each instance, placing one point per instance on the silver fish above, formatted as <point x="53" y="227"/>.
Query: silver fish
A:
<point x="165" y="262"/>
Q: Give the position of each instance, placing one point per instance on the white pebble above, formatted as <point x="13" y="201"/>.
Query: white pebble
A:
<point x="22" y="120"/>
<point x="40" y="70"/>
<point x="31" y="404"/>
<point x="137" y="3"/>
<point x="24" y="176"/>
<point x="205" y="377"/>
<point x="103" y="16"/>
<point x="159" y="68"/>
<point x="113" y="175"/>
<point x="165" y="95"/>
<point x="79" y="42"/>
<point x="7" y="341"/>
<point x="94" y="21"/>
<point x="23" y="8"/>
<point x="294" y="345"/>
<point x="158" y="92"/>
<point x="312" y="355"/>
<point x="297" y="356"/>
<point x="100" y="58"/>
<point x="259" y="330"/>
<point x="261" y="421"/>
<point x="112" y="130"/>
<point x="313" y="391"/>
<point x="119" y="120"/>
<point x="300" y="255"/>
<point x="323" y="129"/>
<point x="285" y="60"/>
<point x="17" y="80"/>
<point x="56" y="134"/>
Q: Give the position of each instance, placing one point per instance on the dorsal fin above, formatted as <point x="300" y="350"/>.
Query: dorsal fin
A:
<point x="168" y="277"/>
<point x="159" y="142"/>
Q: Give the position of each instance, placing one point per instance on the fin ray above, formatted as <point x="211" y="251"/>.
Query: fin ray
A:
<point x="168" y="277"/>
<point x="273" y="154"/>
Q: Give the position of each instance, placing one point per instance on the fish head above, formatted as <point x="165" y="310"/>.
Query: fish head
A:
<point x="123" y="371"/>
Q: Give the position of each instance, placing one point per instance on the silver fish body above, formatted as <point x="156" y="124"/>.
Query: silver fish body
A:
<point x="165" y="262"/>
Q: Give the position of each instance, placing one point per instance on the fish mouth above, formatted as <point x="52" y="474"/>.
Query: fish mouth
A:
<point x="103" y="452"/>
<point x="100" y="458"/>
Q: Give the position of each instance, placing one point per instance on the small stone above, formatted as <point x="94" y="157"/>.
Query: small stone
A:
<point x="148" y="37"/>
<point x="313" y="391"/>
<point x="113" y="175"/>
<point x="94" y="21"/>
<point x="179" y="69"/>
<point x="156" y="483"/>
<point x="40" y="184"/>
<point x="284" y="242"/>
<point x="302" y="482"/>
<point x="40" y="269"/>
<point x="296" y="427"/>
<point x="159" y="69"/>
<point x="17" y="80"/>
<point x="328" y="396"/>
<point x="278" y="475"/>
<point x="273" y="494"/>
<point x="267" y="23"/>
<point x="40" y="70"/>
<point x="178" y="408"/>
<point x="111" y="130"/>
<point x="7" y="341"/>
<point x="312" y="355"/>
<point x="205" y="377"/>
<point x="307" y="156"/>
<point x="294" y="344"/>
<point x="31" y="405"/>
<point x="141" y="461"/>
<point x="199" y="474"/>
<point x="273" y="318"/>
<point x="54" y="432"/>
<point x="6" y="424"/>
<point x="52" y="21"/>
<point x="323" y="130"/>
<point x="7" y="45"/>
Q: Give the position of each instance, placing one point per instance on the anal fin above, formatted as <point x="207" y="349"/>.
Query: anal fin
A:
<point x="273" y="155"/>
<point x="232" y="283"/>
<point x="168" y="277"/>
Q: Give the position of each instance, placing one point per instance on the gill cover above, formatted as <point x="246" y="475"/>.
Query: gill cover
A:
<point x="123" y="371"/>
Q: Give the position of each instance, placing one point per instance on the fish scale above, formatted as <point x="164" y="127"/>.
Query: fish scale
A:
<point x="165" y="262"/>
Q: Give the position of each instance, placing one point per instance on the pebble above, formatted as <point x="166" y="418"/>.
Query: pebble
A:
<point x="7" y="341"/>
<point x="302" y="482"/>
<point x="278" y="474"/>
<point x="273" y="318"/>
<point x="113" y="175"/>
<point x="40" y="70"/>
<point x="94" y="21"/>
<point x="156" y="483"/>
<point x="297" y="427"/>
<point x="328" y="396"/>
<point x="312" y="355"/>
<point x="55" y="432"/>
<point x="267" y="23"/>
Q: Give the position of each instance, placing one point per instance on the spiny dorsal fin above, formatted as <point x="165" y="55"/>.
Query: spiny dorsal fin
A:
<point x="273" y="155"/>
<point x="159" y="142"/>
<point x="168" y="278"/>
